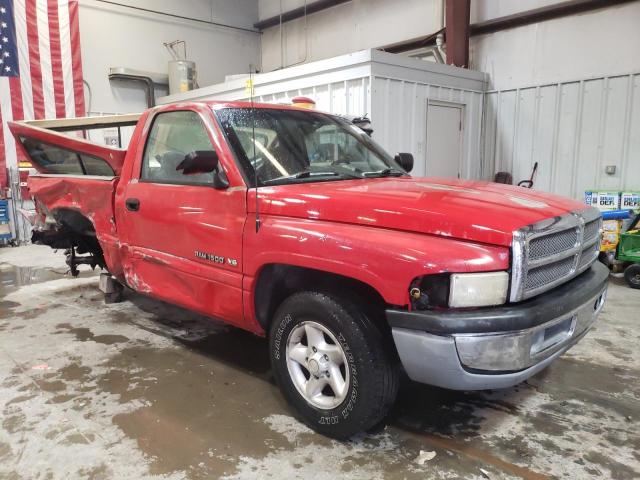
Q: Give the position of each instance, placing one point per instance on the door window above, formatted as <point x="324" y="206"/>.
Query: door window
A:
<point x="173" y="135"/>
<point x="52" y="159"/>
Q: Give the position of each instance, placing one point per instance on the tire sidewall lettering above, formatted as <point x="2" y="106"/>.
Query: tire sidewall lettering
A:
<point x="353" y="398"/>
<point x="288" y="318"/>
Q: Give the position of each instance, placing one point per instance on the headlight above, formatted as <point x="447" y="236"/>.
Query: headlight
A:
<point x="478" y="289"/>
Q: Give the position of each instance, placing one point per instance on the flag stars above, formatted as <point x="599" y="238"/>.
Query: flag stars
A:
<point x="7" y="68"/>
<point x="6" y="54"/>
<point x="5" y="39"/>
<point x="3" y="24"/>
<point x="3" y="10"/>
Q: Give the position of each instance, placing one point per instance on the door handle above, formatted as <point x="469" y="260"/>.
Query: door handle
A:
<point x="132" y="204"/>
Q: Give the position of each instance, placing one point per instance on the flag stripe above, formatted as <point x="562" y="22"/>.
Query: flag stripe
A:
<point x="23" y="58"/>
<point x="16" y="106"/>
<point x="3" y="166"/>
<point x="67" y="66"/>
<point x="45" y="60"/>
<point x="76" y="59"/>
<point x="7" y="116"/>
<point x="34" y="59"/>
<point x="16" y="97"/>
<point x="56" y="58"/>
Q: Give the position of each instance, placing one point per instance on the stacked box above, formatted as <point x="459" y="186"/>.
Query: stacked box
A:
<point x="630" y="200"/>
<point x="613" y="226"/>
<point x="591" y="198"/>
<point x="610" y="235"/>
<point x="5" y="229"/>
<point x="607" y="201"/>
<point x="602" y="200"/>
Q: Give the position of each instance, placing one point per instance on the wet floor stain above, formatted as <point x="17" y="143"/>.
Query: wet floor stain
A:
<point x="195" y="409"/>
<point x="83" y="334"/>
<point x="14" y="277"/>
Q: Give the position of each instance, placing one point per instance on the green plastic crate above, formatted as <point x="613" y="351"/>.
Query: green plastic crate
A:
<point x="629" y="246"/>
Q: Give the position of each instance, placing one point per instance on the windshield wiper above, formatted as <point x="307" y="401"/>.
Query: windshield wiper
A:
<point x="385" y="172"/>
<point x="302" y="174"/>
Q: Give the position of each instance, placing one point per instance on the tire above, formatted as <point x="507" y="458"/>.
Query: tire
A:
<point x="368" y="369"/>
<point x="632" y="275"/>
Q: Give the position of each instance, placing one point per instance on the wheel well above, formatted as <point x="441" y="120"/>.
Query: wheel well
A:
<point x="278" y="281"/>
<point x="72" y="229"/>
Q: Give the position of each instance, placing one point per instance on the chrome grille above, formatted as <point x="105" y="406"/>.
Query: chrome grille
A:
<point x="545" y="274"/>
<point x="589" y="254"/>
<point x="591" y="230"/>
<point x="553" y="251"/>
<point x="556" y="242"/>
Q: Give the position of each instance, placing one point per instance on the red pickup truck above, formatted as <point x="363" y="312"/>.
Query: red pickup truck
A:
<point x="295" y="225"/>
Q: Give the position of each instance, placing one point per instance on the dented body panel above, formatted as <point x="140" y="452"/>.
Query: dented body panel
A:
<point x="198" y="246"/>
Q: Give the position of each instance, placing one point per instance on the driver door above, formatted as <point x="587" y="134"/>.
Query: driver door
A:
<point x="184" y="236"/>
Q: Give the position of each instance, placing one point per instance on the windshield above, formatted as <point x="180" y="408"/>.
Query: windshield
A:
<point x="289" y="146"/>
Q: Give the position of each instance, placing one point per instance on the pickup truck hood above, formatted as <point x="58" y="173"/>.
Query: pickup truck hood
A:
<point x="470" y="210"/>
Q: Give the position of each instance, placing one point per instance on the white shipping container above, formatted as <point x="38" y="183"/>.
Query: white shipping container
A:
<point x="397" y="93"/>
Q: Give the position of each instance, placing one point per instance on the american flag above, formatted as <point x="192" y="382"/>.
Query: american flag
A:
<point x="41" y="69"/>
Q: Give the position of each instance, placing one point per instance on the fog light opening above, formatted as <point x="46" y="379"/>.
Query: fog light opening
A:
<point x="599" y="303"/>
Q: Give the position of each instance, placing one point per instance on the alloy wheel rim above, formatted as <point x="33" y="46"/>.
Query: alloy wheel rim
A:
<point x="317" y="365"/>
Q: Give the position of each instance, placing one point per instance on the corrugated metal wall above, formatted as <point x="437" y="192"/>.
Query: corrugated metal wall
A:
<point x="348" y="97"/>
<point x="399" y="117"/>
<point x="573" y="130"/>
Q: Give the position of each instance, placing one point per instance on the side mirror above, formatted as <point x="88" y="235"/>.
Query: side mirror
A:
<point x="405" y="160"/>
<point x="200" y="161"/>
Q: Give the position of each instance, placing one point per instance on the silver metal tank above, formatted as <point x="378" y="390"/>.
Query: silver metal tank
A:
<point x="182" y="76"/>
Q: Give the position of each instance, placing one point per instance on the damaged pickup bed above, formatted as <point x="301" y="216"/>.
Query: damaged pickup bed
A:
<point x="295" y="225"/>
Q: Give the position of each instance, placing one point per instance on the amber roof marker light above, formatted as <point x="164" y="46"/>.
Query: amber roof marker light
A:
<point x="303" y="102"/>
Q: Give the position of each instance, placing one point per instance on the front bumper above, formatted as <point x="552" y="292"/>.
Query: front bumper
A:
<point x="497" y="347"/>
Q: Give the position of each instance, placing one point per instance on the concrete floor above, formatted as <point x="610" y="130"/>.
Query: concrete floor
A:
<point x="141" y="389"/>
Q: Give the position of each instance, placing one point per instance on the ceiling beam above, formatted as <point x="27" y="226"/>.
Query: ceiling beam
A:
<point x="528" y="17"/>
<point x="296" y="13"/>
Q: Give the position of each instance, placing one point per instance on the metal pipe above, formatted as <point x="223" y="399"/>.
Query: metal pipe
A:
<point x="148" y="83"/>
<point x="281" y="44"/>
<point x="457" y="32"/>
<point x="306" y="39"/>
<point x="439" y="52"/>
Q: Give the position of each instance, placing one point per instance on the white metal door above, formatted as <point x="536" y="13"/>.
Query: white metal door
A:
<point x="444" y="140"/>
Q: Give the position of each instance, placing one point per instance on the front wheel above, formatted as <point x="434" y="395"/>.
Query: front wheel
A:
<point x="632" y="275"/>
<point x="332" y="363"/>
